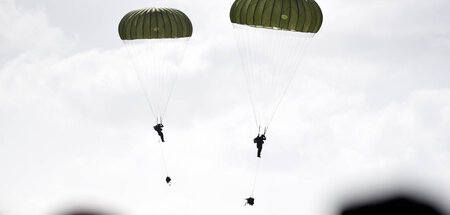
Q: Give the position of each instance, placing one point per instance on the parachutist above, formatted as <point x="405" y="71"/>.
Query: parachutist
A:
<point x="250" y="201"/>
<point x="158" y="128"/>
<point x="259" y="140"/>
<point x="168" y="180"/>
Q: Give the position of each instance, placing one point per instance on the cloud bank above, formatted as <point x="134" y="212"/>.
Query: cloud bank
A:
<point x="370" y="107"/>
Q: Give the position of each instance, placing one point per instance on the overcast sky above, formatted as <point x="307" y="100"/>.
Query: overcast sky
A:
<point x="368" y="112"/>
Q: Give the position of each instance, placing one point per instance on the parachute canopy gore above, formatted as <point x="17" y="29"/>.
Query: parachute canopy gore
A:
<point x="295" y="15"/>
<point x="155" y="23"/>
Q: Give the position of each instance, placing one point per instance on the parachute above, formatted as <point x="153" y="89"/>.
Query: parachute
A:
<point x="272" y="36"/>
<point x="156" y="40"/>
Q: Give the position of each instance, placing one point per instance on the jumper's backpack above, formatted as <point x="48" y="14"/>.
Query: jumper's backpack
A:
<point x="250" y="201"/>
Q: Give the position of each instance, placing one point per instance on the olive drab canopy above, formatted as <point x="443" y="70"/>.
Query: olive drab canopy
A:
<point x="293" y="15"/>
<point x="155" y="23"/>
<point x="156" y="40"/>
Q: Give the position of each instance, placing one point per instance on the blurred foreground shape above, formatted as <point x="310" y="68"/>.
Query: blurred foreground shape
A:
<point x="394" y="204"/>
<point x="84" y="212"/>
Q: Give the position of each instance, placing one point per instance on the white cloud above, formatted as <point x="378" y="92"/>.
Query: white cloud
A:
<point x="26" y="31"/>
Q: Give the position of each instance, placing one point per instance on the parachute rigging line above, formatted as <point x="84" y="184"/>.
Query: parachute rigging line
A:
<point x="270" y="60"/>
<point x="246" y="65"/>
<point x="163" y="158"/>
<point x="147" y="98"/>
<point x="256" y="175"/>
<point x="159" y="120"/>
<point x="156" y="64"/>
<point x="131" y="51"/>
<point x="183" y="53"/>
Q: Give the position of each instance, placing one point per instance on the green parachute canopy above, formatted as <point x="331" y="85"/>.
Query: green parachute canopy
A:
<point x="292" y="15"/>
<point x="154" y="23"/>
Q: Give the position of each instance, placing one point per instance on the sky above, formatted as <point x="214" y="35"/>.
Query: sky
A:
<point x="368" y="113"/>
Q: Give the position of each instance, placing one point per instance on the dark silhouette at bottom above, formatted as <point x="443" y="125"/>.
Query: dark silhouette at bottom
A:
<point x="158" y="128"/>
<point x="168" y="180"/>
<point x="399" y="204"/>
<point x="250" y="201"/>
<point x="84" y="212"/>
